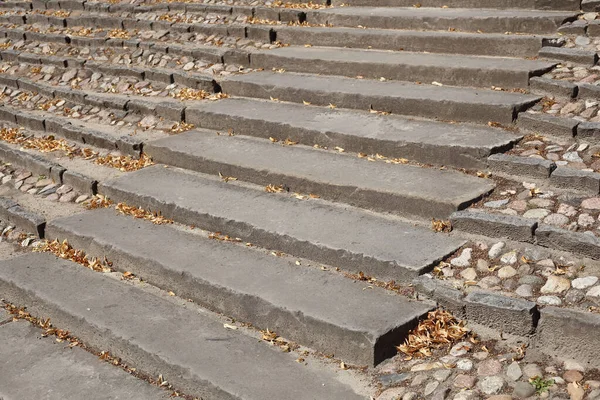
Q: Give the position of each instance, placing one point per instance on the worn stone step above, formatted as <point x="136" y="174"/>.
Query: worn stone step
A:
<point x="489" y="44"/>
<point x="359" y="326"/>
<point x="459" y="145"/>
<point x="200" y="357"/>
<point x="500" y="4"/>
<point x="460" y="19"/>
<point x="430" y="101"/>
<point x="448" y="69"/>
<point x="34" y="367"/>
<point x="344" y="237"/>
<point x="400" y="189"/>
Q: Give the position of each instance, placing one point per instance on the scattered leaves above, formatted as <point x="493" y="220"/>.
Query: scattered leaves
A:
<point x="274" y="189"/>
<point x="223" y="238"/>
<point x="125" y="163"/>
<point x="439" y="329"/>
<point x="180" y="127"/>
<point x="65" y="251"/>
<point x="137" y="212"/>
<point x="438" y="225"/>
<point x="98" y="201"/>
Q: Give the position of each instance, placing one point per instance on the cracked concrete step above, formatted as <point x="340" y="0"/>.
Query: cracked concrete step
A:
<point x="359" y="326"/>
<point x="459" y="145"/>
<point x="460" y="19"/>
<point x="572" y="5"/>
<point x="430" y="101"/>
<point x="191" y="350"/>
<point x="405" y="190"/>
<point x="345" y="237"/>
<point x="459" y="70"/>
<point x="33" y="367"/>
<point x="489" y="44"/>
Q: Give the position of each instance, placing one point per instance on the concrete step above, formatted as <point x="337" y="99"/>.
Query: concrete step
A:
<point x="572" y="5"/>
<point x="35" y="367"/>
<point x="449" y="69"/>
<point x="191" y="350"/>
<point x="345" y="237"/>
<point x="430" y="101"/>
<point x="458" y="145"/>
<point x="405" y="190"/>
<point x="359" y="326"/>
<point x="442" y="19"/>
<point x="487" y="44"/>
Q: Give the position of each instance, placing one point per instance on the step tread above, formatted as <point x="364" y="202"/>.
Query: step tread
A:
<point x="241" y="276"/>
<point x="386" y="57"/>
<point x="351" y="234"/>
<point x="217" y="362"/>
<point x="31" y="365"/>
<point x="319" y="166"/>
<point x="451" y="13"/>
<point x="328" y="84"/>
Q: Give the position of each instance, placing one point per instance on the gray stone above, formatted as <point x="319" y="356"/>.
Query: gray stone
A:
<point x="556" y="219"/>
<point x="464" y="364"/>
<point x="523" y="390"/>
<point x="464" y="259"/>
<point x="494" y="225"/>
<point x="489" y="367"/>
<point x="510" y="315"/>
<point x="521" y="166"/>
<point x="571" y="178"/>
<point x="561" y="239"/>
<point x="556" y="284"/>
<point x="156" y="187"/>
<point x="203" y="280"/>
<point x="509" y="258"/>
<point x="430" y="387"/>
<point x="393" y="379"/>
<point x="496" y="249"/>
<point x="90" y="306"/>
<point x="491" y="384"/>
<point x="524" y="290"/>
<point x="34" y="365"/>
<point x="460" y="349"/>
<point x="585" y="282"/>
<point x="514" y="372"/>
<point x="549" y="300"/>
<point x="536" y="213"/>
<point x="532" y="371"/>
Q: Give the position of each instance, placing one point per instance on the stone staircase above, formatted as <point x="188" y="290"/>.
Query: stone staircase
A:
<point x="318" y="142"/>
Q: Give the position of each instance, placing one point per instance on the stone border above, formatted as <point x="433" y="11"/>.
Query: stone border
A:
<point x="554" y="331"/>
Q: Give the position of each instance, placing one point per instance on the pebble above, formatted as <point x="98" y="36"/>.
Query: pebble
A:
<point x="489" y="368"/>
<point x="393" y="379"/>
<point x="482" y="265"/>
<point x="392" y="394"/>
<point x="536" y="213"/>
<point x="496" y="203"/>
<point x="464" y="364"/>
<point x="409" y="396"/>
<point x="491" y="384"/>
<point x="430" y="387"/>
<point x="509" y="258"/>
<point x="593" y="292"/>
<point x="53" y="197"/>
<point x="575" y="391"/>
<point x="466" y="395"/>
<point x="506" y="272"/>
<point x="572" y="376"/>
<point x="460" y="349"/>
<point x="569" y="365"/>
<point x="549" y="301"/>
<point x="419" y="380"/>
<point x="442" y="375"/>
<point x="532" y="370"/>
<point x="585" y="220"/>
<point x="572" y="156"/>
<point x="591" y="203"/>
<point x="556" y="219"/>
<point x="469" y="274"/>
<point x="496" y="249"/>
<point x="523" y="390"/>
<point x="514" y="371"/>
<point x="81" y="198"/>
<point x="541" y="202"/>
<point x="463" y="381"/>
<point x="556" y="284"/>
<point x="524" y="291"/>
<point x="464" y="260"/>
<point x="584" y="283"/>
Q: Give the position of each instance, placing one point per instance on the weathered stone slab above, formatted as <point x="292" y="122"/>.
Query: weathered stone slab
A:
<point x="548" y="124"/>
<point x="553" y="87"/>
<point x="494" y="225"/>
<point x="567" y="54"/>
<point x="521" y="166"/>
<point x="211" y="362"/>
<point x="562" y="239"/>
<point x="571" y="178"/>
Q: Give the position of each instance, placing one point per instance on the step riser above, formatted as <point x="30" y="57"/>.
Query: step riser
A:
<point x="396" y="203"/>
<point x="488" y="25"/>
<point x="352" y="345"/>
<point x="469" y="44"/>
<point x="428" y="108"/>
<point x="567" y="5"/>
<point x="420" y="152"/>
<point x="422" y="73"/>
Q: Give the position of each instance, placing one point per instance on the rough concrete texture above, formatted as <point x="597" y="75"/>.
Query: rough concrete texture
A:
<point x="521" y="166"/>
<point x="440" y="19"/>
<point x="574" y="179"/>
<point x="270" y="292"/>
<point x="553" y="87"/>
<point x="494" y="225"/>
<point x="489" y="44"/>
<point x="190" y="350"/>
<point x="506" y="314"/>
<point x="549" y="124"/>
<point x="458" y="70"/>
<point x="443" y="102"/>
<point x="352" y="239"/>
<point x="460" y="145"/>
<point x="562" y="239"/>
<point x="32" y="367"/>
<point x="567" y="334"/>
<point x="573" y="55"/>
<point x="399" y="189"/>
